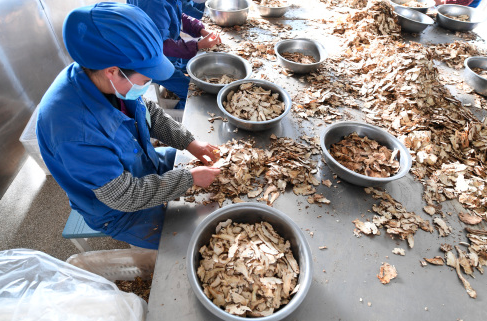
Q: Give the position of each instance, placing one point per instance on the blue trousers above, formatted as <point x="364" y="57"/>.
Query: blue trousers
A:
<point x="143" y="228"/>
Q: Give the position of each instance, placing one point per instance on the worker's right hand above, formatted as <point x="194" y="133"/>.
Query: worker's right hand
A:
<point x="209" y="41"/>
<point x="203" y="176"/>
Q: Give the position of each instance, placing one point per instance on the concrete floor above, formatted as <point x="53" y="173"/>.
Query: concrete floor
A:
<point x="33" y="213"/>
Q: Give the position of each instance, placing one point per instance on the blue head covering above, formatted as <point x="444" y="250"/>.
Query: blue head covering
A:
<point x="114" y="34"/>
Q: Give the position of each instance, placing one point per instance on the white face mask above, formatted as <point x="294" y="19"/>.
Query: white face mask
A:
<point x="135" y="91"/>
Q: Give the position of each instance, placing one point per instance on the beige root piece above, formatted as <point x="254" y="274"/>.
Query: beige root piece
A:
<point x="387" y="273"/>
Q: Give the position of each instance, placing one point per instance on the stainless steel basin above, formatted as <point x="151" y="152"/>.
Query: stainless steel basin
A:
<point x="412" y="20"/>
<point x="334" y="133"/>
<point x="214" y="64"/>
<point x="228" y="13"/>
<point x="252" y="213"/>
<point x="302" y="45"/>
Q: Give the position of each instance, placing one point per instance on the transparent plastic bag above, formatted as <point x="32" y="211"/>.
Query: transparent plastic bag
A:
<point x="36" y="286"/>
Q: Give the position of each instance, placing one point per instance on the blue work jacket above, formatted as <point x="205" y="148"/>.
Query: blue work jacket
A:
<point x="86" y="143"/>
<point x="166" y="14"/>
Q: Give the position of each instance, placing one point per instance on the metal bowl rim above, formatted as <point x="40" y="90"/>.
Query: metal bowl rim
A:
<point x="257" y="81"/>
<point x="300" y="295"/>
<point x="258" y="5"/>
<point x="197" y="57"/>
<point x="455" y="20"/>
<point x="220" y="10"/>
<point x="316" y="43"/>
<point x="429" y="23"/>
<point x="431" y="4"/>
<point x="467" y="67"/>
<point x="402" y="171"/>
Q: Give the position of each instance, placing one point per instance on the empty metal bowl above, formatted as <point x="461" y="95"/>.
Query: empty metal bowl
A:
<point x="474" y="80"/>
<point x="228" y="13"/>
<point x="475" y="17"/>
<point x="412" y="20"/>
<point x="254" y="125"/>
<point x="216" y="64"/>
<point x="336" y="132"/>
<point x="423" y="9"/>
<point x="302" y="45"/>
<point x="252" y="213"/>
<point x="272" y="12"/>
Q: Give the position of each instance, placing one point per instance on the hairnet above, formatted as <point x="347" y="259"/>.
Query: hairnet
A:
<point x="115" y="34"/>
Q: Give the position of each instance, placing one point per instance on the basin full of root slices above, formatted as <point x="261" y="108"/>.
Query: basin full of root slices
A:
<point x="254" y="103"/>
<point x="365" y="156"/>
<point x="248" y="269"/>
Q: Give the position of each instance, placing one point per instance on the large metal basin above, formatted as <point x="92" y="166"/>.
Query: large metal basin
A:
<point x="336" y="132"/>
<point x="228" y="13"/>
<point x="254" y="125"/>
<point x="476" y="17"/>
<point x="214" y="64"/>
<point x="252" y="213"/>
<point x="302" y="45"/>
<point x="412" y="20"/>
<point x="474" y="80"/>
<point x="424" y="9"/>
<point x="272" y="12"/>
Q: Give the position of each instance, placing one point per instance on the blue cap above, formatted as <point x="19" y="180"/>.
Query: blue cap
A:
<point x="110" y="34"/>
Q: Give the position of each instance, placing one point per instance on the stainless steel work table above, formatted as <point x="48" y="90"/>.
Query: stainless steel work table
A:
<point x="345" y="274"/>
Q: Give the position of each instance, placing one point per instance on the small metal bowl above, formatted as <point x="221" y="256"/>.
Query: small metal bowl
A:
<point x="252" y="213"/>
<point x="272" y="12"/>
<point x="336" y="132"/>
<point x="474" y="80"/>
<point x="476" y="17"/>
<point x="412" y="20"/>
<point x="427" y="4"/>
<point x="215" y="64"/>
<point x="228" y="13"/>
<point x="302" y="45"/>
<point x="254" y="125"/>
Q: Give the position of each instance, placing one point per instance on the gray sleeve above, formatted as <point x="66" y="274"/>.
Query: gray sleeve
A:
<point x="129" y="194"/>
<point x="166" y="129"/>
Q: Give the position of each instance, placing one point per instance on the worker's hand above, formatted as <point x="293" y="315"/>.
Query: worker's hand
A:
<point x="203" y="176"/>
<point x="201" y="149"/>
<point x="204" y="32"/>
<point x="210" y="40"/>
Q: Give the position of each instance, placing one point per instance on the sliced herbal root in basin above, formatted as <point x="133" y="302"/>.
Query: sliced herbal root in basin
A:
<point x="248" y="269"/>
<point x="299" y="57"/>
<point x="365" y="156"/>
<point x="254" y="103"/>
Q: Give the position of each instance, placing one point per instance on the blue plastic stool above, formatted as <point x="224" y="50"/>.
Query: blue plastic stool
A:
<point x="78" y="231"/>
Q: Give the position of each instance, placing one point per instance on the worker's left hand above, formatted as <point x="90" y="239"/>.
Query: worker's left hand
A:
<point x="201" y="149"/>
<point x="210" y="40"/>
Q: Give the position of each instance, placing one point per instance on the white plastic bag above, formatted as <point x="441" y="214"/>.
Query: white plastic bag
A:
<point x="36" y="286"/>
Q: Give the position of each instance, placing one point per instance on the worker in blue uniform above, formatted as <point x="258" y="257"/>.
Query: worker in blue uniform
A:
<point x="94" y="128"/>
<point x="170" y="19"/>
<point x="193" y="9"/>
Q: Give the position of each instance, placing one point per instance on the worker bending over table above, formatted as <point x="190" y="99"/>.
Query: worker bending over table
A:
<point x="94" y="128"/>
<point x="170" y="19"/>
